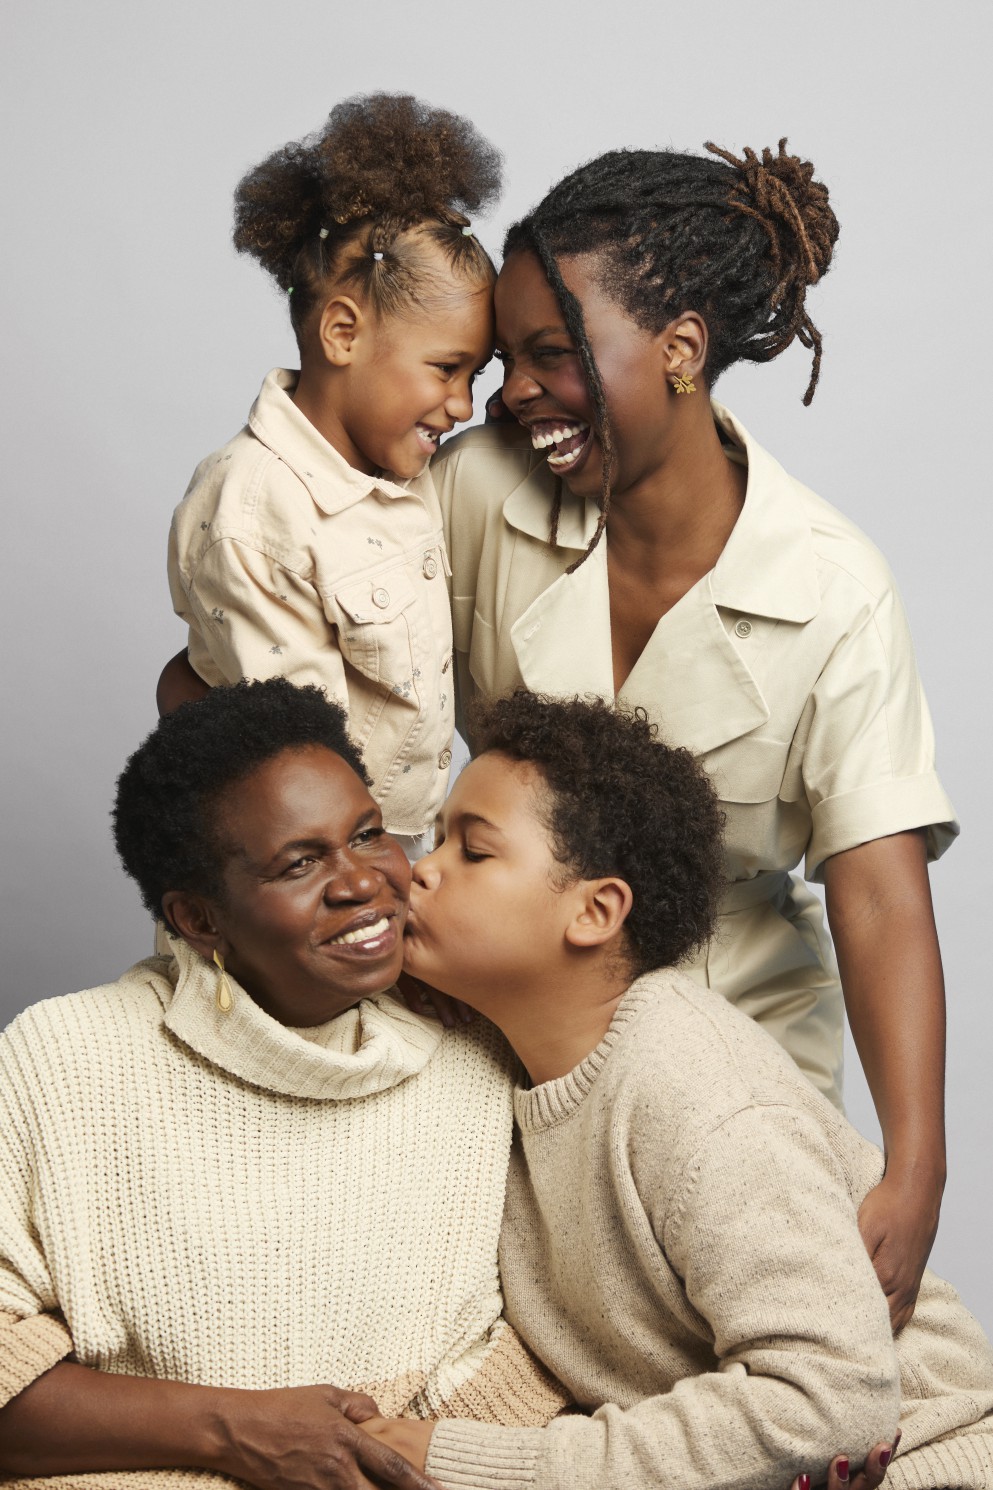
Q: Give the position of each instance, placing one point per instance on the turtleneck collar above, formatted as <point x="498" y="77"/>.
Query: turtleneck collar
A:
<point x="369" y="1048"/>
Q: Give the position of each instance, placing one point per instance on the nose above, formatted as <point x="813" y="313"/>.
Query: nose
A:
<point x="458" y="404"/>
<point x="352" y="878"/>
<point x="519" y="388"/>
<point x="426" y="872"/>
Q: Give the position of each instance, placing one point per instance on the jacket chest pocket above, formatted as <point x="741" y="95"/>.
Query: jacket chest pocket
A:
<point x="376" y="628"/>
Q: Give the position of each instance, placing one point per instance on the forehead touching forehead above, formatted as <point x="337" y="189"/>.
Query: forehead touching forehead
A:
<point x="424" y="270"/>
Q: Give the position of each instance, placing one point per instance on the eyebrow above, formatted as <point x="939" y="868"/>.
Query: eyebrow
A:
<point x="451" y="356"/>
<point x="476" y="819"/>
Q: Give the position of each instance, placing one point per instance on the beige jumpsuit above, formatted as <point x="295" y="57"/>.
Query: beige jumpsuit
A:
<point x="788" y="670"/>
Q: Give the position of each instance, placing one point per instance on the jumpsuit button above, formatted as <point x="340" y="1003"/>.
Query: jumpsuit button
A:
<point x="381" y="598"/>
<point x="430" y="566"/>
<point x="743" y="628"/>
<point x="445" y="760"/>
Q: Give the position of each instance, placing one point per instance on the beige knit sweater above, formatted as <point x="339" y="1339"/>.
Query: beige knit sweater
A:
<point x="681" y="1242"/>
<point x="214" y="1198"/>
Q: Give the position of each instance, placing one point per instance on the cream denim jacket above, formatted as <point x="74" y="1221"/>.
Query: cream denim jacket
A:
<point x="283" y="559"/>
<point x="788" y="670"/>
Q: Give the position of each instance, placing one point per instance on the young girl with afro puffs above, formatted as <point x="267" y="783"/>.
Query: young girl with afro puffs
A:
<point x="311" y="544"/>
<point x="680" y="1245"/>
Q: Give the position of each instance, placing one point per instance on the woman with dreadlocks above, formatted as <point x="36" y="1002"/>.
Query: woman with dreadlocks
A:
<point x="638" y="544"/>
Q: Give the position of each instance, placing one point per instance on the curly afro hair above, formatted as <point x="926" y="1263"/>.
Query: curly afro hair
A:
<point x="739" y="241"/>
<point x="164" y="812"/>
<point x="620" y="802"/>
<point x="354" y="203"/>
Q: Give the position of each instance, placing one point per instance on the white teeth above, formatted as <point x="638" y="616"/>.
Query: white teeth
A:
<point x="427" y="434"/>
<point x="541" y="439"/>
<point x="364" y="933"/>
<point x="564" y="460"/>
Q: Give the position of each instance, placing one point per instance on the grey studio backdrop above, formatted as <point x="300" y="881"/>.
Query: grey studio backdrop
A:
<point x="135" y="340"/>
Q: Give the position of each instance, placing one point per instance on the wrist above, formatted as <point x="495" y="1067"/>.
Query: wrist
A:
<point x="910" y="1168"/>
<point x="215" y="1432"/>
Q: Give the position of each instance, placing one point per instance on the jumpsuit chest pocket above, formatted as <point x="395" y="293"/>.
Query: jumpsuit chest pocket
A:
<point x="375" y="627"/>
<point x="746" y="770"/>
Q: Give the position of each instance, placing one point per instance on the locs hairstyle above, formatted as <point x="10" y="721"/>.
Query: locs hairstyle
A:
<point x="620" y="802"/>
<point x="339" y="207"/>
<point x="164" y="813"/>
<point x="738" y="241"/>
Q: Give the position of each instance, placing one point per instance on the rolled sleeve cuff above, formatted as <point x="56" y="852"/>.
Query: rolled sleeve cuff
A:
<point x="28" y="1348"/>
<point x="877" y="811"/>
<point x="482" y="1456"/>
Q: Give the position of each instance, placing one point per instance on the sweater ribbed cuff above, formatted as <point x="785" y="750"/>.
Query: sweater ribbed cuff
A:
<point x="482" y="1456"/>
<point x="30" y="1347"/>
<point x="962" y="1462"/>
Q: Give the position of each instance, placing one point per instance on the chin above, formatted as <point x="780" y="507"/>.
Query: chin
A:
<point x="406" y="470"/>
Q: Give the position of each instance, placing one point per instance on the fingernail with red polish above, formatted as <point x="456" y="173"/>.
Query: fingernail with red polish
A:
<point x="842" y="1467"/>
<point x="885" y="1457"/>
<point x="804" y="1481"/>
<point x="896" y="1442"/>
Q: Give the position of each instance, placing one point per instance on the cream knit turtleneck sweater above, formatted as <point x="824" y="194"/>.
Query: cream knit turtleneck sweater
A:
<point x="214" y="1198"/>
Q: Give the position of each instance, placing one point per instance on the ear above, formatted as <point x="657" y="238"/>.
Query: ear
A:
<point x="685" y="342"/>
<point x="193" y="918"/>
<point x="603" y="908"/>
<point x="342" y="321"/>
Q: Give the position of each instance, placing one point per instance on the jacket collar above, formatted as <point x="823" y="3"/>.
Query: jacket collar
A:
<point x="333" y="484"/>
<point x="694" y="678"/>
<point x="366" y="1049"/>
<point x="768" y="566"/>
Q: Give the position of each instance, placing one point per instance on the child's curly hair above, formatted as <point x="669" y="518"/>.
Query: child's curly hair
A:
<point x="620" y="802"/>
<point x="340" y="205"/>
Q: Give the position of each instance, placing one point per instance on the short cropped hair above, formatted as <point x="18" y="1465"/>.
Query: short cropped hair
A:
<point x="165" y="819"/>
<point x="620" y="802"/>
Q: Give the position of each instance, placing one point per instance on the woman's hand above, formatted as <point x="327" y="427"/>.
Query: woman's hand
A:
<point x="898" y="1221"/>
<point x="309" y="1438"/>
<point x="178" y="684"/>
<point x="872" y="1473"/>
<point x="72" y="1419"/>
<point x="421" y="998"/>
<point x="410" y="1437"/>
<point x="497" y="411"/>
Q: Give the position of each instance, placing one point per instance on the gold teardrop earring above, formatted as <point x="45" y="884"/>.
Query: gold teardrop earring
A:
<point x="223" y="990"/>
<point x="683" y="384"/>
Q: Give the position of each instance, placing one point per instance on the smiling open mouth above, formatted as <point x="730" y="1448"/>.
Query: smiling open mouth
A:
<point x="564" y="442"/>
<point x="428" y="436"/>
<point x="362" y="934"/>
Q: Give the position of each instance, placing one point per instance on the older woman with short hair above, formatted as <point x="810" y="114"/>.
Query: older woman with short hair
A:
<point x="233" y="1175"/>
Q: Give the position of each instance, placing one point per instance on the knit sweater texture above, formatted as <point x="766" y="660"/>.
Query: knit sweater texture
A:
<point x="680" y="1248"/>
<point x="214" y="1198"/>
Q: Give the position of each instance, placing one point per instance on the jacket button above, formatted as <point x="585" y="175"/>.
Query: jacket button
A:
<point x="381" y="598"/>
<point x="430" y="566"/>
<point x="743" y="628"/>
<point x="445" y="760"/>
